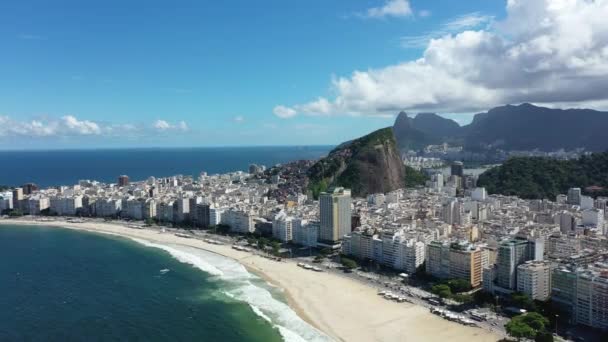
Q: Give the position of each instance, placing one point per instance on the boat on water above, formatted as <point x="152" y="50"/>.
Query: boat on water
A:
<point x="164" y="270"/>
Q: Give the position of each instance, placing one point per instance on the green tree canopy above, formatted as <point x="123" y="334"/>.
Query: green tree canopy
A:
<point x="348" y="263"/>
<point x="539" y="177"/>
<point x="442" y="291"/>
<point x="459" y="285"/>
<point x="528" y="326"/>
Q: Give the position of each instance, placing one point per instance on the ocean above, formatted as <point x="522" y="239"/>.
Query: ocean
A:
<point x="67" y="167"/>
<point x="64" y="285"/>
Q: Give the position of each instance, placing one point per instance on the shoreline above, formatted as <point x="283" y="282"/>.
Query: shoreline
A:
<point x="343" y="309"/>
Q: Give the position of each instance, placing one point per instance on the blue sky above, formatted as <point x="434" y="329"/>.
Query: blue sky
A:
<point x="203" y="73"/>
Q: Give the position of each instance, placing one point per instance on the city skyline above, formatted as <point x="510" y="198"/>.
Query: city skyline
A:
<point x="200" y="74"/>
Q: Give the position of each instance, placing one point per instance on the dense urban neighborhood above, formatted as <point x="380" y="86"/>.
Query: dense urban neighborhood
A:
<point x="445" y="243"/>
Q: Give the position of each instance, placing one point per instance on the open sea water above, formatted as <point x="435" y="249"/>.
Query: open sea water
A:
<point x="64" y="285"/>
<point x="67" y="167"/>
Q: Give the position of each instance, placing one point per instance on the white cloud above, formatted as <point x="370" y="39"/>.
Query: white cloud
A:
<point x="238" y="119"/>
<point x="284" y="112"/>
<point x="162" y="126"/>
<point x="391" y="8"/>
<point x="424" y="13"/>
<point x="544" y="52"/>
<point x="182" y="126"/>
<point x="65" y="126"/>
<point x="80" y="127"/>
<point x="69" y="125"/>
<point x="464" y="22"/>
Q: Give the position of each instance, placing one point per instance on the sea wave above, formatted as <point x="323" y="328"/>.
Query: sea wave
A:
<point x="248" y="288"/>
<point x="184" y="257"/>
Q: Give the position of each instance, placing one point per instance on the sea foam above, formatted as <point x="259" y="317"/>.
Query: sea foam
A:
<point x="246" y="287"/>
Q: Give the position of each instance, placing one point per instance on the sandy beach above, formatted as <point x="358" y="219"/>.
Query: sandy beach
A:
<point x="344" y="309"/>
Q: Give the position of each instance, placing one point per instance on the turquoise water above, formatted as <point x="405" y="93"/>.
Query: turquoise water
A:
<point x="62" y="285"/>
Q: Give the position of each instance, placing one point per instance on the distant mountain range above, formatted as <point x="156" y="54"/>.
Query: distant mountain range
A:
<point x="522" y="127"/>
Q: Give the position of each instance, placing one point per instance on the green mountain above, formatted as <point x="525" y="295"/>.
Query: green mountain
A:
<point x="537" y="178"/>
<point x="366" y="165"/>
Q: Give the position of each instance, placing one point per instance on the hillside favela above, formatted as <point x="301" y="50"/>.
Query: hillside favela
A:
<point x="383" y="170"/>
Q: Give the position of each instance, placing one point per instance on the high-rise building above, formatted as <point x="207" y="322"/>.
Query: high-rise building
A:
<point x="438" y="259"/>
<point x="534" y="279"/>
<point x="305" y="233"/>
<point x="574" y="196"/>
<point x="511" y="254"/>
<point x="466" y="263"/>
<point x="457" y="169"/>
<point x="450" y="212"/>
<point x="202" y="215"/>
<point x="335" y="214"/>
<point x="17" y="198"/>
<point x="563" y="288"/>
<point x="456" y="261"/>
<point x="29" y="188"/>
<point x="479" y="194"/>
<point x="123" y="180"/>
<point x="282" y="227"/>
<point x="567" y="222"/>
<point x="592" y="297"/>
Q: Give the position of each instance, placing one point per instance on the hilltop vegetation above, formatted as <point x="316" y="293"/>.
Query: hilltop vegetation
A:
<point x="366" y="165"/>
<point x="414" y="178"/>
<point x="537" y="178"/>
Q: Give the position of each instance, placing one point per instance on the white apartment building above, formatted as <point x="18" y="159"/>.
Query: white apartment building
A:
<point x="391" y="249"/>
<point x="534" y="279"/>
<point x="133" y="209"/>
<point x="239" y="221"/>
<point x="6" y="203"/>
<point x="164" y="211"/>
<point x="305" y="232"/>
<point x="216" y="216"/>
<point x="593" y="218"/>
<point x="36" y="204"/>
<point x="282" y="227"/>
<point x="592" y="297"/>
<point x="107" y="207"/>
<point x="479" y="194"/>
<point x="65" y="206"/>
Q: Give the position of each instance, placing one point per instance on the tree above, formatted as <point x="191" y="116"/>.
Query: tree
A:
<point x="530" y="326"/>
<point x="442" y="291"/>
<point x="414" y="178"/>
<point x="262" y="242"/>
<point x="349" y="264"/>
<point x="459" y="285"/>
<point x="15" y="213"/>
<point x="275" y="247"/>
<point x="519" y="329"/>
<point x="463" y="298"/>
<point x="523" y="301"/>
